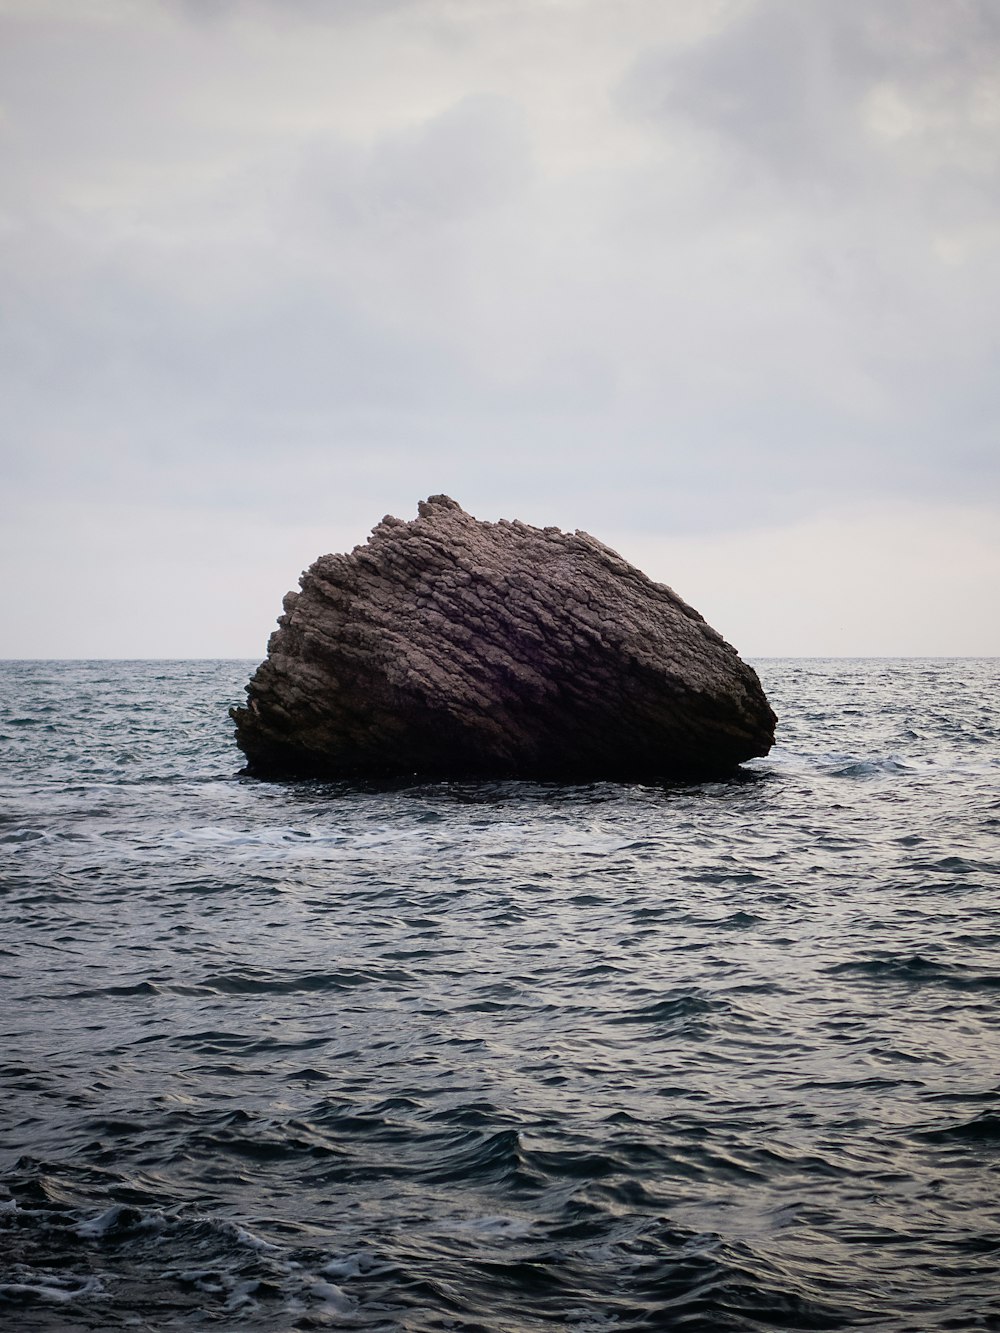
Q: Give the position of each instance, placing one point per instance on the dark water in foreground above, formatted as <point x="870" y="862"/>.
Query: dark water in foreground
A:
<point x="499" y="1056"/>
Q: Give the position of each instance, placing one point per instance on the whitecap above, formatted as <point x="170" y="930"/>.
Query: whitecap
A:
<point x="332" y="1297"/>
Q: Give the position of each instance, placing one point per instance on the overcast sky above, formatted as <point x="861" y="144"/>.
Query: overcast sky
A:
<point x="715" y="280"/>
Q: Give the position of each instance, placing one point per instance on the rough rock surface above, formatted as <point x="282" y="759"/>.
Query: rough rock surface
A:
<point x="451" y="647"/>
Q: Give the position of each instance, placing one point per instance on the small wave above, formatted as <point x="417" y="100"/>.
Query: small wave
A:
<point x="265" y="837"/>
<point x="118" y="1221"/>
<point x="253" y="1144"/>
<point x="22" y="837"/>
<point x="867" y="768"/>
<point x="955" y="865"/>
<point x="479" y="1159"/>
<point x="140" y="988"/>
<point x="307" y="1075"/>
<point x="31" y="1286"/>
<point x="245" y="983"/>
<point x="916" y="970"/>
<point x="983" y="1128"/>
<point x="738" y="920"/>
<point x="100" y="1268"/>
<point x="990" y="1095"/>
<point x="838" y="764"/>
<point x="494" y="1226"/>
<point x="672" y="1009"/>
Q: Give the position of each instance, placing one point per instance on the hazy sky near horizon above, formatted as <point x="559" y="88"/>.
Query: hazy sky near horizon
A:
<point x="716" y="280"/>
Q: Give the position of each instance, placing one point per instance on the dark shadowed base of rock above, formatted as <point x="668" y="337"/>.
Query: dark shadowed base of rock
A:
<point x="451" y="648"/>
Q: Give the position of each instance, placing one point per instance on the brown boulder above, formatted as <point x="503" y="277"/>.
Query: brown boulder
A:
<point x="454" y="648"/>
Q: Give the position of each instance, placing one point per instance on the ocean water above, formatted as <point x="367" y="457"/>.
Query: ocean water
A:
<point x="501" y="1057"/>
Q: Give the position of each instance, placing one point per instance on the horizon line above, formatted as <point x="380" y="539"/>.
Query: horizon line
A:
<point x="757" y="657"/>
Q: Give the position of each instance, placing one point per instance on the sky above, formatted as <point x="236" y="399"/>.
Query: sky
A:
<point x="715" y="280"/>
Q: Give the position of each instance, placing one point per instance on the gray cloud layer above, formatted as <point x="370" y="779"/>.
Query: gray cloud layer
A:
<point x="646" y="267"/>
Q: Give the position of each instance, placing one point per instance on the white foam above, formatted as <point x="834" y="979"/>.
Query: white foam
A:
<point x="108" y="1220"/>
<point x="51" y="1292"/>
<point x="99" y="1226"/>
<point x="248" y="1239"/>
<point x="198" y="1277"/>
<point x="242" y="1295"/>
<point x="350" y="1266"/>
<point x="332" y="1297"/>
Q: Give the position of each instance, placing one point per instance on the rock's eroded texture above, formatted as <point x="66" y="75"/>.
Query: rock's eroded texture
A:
<point x="450" y="647"/>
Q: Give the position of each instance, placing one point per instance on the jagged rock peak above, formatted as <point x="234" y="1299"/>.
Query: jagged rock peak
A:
<point x="448" y="646"/>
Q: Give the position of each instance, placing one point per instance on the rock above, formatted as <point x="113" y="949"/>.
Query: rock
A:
<point x="454" y="648"/>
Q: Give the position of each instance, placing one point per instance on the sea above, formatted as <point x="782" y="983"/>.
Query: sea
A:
<point x="499" y="1056"/>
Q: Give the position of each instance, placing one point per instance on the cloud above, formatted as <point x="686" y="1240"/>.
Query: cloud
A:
<point x="840" y="93"/>
<point x="690" y="269"/>
<point x="461" y="163"/>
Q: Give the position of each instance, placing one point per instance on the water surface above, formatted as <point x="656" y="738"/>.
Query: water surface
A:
<point x="499" y="1056"/>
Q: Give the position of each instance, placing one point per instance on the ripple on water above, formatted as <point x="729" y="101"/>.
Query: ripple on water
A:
<point x="503" y="1055"/>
